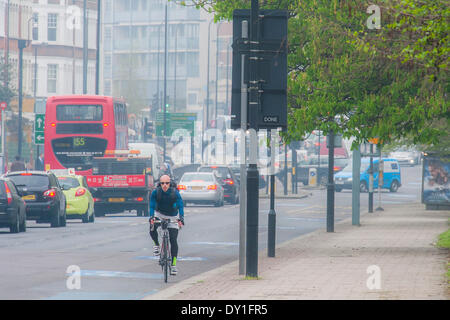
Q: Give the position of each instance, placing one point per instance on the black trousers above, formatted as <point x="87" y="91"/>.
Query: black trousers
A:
<point x="173" y="235"/>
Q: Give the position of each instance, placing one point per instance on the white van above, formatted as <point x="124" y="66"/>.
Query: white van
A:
<point x="149" y="150"/>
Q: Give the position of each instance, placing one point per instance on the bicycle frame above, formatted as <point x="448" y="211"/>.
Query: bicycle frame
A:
<point x="165" y="259"/>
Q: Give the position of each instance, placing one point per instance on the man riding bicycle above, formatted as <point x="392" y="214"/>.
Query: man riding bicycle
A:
<point x="167" y="202"/>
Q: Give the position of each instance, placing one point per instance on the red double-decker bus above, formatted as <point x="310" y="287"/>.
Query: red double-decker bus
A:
<point x="78" y="128"/>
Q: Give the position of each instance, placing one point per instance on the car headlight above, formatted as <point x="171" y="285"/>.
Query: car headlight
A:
<point x="350" y="179"/>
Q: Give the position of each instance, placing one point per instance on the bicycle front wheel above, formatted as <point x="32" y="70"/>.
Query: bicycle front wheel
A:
<point x="166" y="259"/>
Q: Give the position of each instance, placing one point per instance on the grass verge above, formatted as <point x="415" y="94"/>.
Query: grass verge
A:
<point x="444" y="242"/>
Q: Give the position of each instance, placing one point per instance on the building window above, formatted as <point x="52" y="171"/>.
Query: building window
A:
<point x="52" y="25"/>
<point x="35" y="26"/>
<point x="52" y="77"/>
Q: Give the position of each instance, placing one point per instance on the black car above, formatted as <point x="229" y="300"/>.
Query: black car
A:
<point x="12" y="207"/>
<point x="236" y="169"/>
<point x="45" y="200"/>
<point x="229" y="180"/>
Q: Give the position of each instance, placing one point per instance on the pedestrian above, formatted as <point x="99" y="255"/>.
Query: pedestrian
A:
<point x="167" y="202"/>
<point x="40" y="163"/>
<point x="18" y="165"/>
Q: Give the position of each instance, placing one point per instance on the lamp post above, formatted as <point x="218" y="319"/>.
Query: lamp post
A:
<point x="165" y="85"/>
<point x="207" y="75"/>
<point x="85" y="46"/>
<point x="217" y="69"/>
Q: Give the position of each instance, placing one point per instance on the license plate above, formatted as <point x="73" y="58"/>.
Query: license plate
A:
<point x="196" y="188"/>
<point x="29" y="197"/>
<point x="116" y="199"/>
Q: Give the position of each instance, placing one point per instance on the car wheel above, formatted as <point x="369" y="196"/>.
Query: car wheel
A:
<point x="184" y="203"/>
<point x="92" y="217"/>
<point x="394" y="186"/>
<point x="338" y="189"/>
<point x="23" y="225"/>
<point x="363" y="186"/>
<point x="85" y="216"/>
<point x="54" y="223"/>
<point x="15" y="227"/>
<point x="63" y="219"/>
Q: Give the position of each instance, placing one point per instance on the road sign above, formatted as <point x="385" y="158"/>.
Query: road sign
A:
<point x="175" y="121"/>
<point x="3" y="105"/>
<point x="39" y="138"/>
<point x="39" y="124"/>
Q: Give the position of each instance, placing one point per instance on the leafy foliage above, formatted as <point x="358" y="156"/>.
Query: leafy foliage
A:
<point x="390" y="83"/>
<point x="6" y="91"/>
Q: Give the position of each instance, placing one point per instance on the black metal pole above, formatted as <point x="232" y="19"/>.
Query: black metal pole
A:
<point x="294" y="168"/>
<point x="330" y="185"/>
<point x="252" y="171"/>
<point x="22" y="44"/>
<point x="85" y="46"/>
<point x="285" y="170"/>
<point x="175" y="71"/>
<point x="272" y="214"/>
<point x="97" y="58"/>
<point x="371" y="180"/>
<point x="207" y="78"/>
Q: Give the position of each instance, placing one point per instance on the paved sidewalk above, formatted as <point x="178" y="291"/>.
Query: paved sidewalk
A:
<point x="320" y="265"/>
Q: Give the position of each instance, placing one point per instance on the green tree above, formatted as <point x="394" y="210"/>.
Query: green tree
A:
<point x="360" y="82"/>
<point x="6" y="90"/>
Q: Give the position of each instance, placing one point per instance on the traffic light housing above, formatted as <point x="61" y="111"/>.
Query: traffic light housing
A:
<point x="148" y="130"/>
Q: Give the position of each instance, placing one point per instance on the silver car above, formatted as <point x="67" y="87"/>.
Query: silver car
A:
<point x="201" y="187"/>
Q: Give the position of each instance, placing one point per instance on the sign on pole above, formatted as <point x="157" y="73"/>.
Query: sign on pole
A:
<point x="175" y="121"/>
<point x="39" y="124"/>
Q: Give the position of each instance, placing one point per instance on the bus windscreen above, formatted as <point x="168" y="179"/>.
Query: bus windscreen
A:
<point x="77" y="152"/>
<point x="79" y="113"/>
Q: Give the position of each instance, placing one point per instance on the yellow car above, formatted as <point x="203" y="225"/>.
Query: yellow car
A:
<point x="79" y="201"/>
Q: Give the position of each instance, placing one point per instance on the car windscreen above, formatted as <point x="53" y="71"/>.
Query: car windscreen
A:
<point x="79" y="112"/>
<point x="68" y="182"/>
<point x="30" y="180"/>
<point x="102" y="167"/>
<point x="340" y="162"/>
<point x="197" y="177"/>
<point x="78" y="152"/>
<point x="222" y="171"/>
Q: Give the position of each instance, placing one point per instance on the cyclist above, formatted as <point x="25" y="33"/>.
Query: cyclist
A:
<point x="167" y="202"/>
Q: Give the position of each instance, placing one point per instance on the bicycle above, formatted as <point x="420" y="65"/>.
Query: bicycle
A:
<point x="165" y="259"/>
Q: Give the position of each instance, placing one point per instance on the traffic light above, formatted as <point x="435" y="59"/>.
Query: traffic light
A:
<point x="148" y="130"/>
